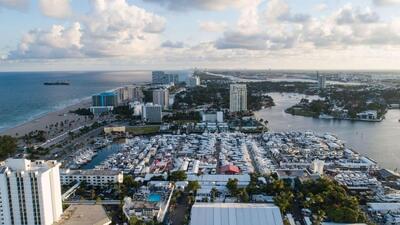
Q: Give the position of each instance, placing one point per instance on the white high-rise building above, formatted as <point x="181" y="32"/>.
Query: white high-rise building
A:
<point x="194" y="81"/>
<point x="321" y="81"/>
<point x="30" y="192"/>
<point x="238" y="98"/>
<point x="161" y="97"/>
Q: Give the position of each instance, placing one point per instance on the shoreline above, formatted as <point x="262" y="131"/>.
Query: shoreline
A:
<point x="47" y="118"/>
<point x="40" y="121"/>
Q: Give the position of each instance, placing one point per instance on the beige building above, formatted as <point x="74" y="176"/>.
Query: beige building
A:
<point x="238" y="98"/>
<point x="84" y="215"/>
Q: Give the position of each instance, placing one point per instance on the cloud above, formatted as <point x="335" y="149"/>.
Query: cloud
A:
<point x="278" y="28"/>
<point x="211" y="26"/>
<point x="58" y="42"/>
<point x="279" y="11"/>
<point x="181" y="5"/>
<point x="321" y="7"/>
<point x="111" y="28"/>
<point x="348" y="15"/>
<point x="59" y="9"/>
<point x="386" y="2"/>
<point x="170" y="44"/>
<point x="20" y="5"/>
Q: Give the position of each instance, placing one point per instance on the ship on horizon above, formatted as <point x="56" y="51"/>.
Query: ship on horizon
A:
<point x="57" y="83"/>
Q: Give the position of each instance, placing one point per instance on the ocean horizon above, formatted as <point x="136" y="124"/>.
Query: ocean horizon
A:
<point x="24" y="97"/>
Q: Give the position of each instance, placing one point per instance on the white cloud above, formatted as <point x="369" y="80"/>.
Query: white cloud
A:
<point x="112" y="28"/>
<point x="181" y="5"/>
<point x="278" y="28"/>
<point x="211" y="26"/>
<point x="58" y="42"/>
<point x="321" y="7"/>
<point x="386" y="2"/>
<point x="171" y="44"/>
<point x="348" y="15"/>
<point x="55" y="8"/>
<point x="20" y="5"/>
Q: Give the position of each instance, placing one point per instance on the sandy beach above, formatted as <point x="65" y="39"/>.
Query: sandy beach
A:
<point x="46" y="120"/>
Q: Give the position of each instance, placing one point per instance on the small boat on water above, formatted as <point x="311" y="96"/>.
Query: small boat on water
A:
<point x="57" y="83"/>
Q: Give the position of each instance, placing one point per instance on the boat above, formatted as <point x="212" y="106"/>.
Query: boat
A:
<point x="57" y="83"/>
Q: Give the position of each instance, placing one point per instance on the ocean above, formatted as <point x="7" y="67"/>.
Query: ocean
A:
<point x="23" y="96"/>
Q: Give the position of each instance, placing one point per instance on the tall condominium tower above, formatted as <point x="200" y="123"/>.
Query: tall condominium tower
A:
<point x="161" y="97"/>
<point x="238" y="98"/>
<point x="30" y="192"/>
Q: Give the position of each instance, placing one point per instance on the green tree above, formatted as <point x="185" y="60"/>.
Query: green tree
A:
<point x="232" y="186"/>
<point x="8" y="146"/>
<point x="193" y="186"/>
<point x="177" y="176"/>
<point x="284" y="200"/>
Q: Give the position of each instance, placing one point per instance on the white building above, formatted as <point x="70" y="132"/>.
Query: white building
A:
<point x="238" y="98"/>
<point x="137" y="108"/>
<point x="321" y="81"/>
<point x="317" y="166"/>
<point x="161" y="97"/>
<point x="91" y="177"/>
<point x="152" y="113"/>
<point x="235" y="213"/>
<point x="215" y="117"/>
<point x="194" y="81"/>
<point x="30" y="192"/>
<point x="368" y="115"/>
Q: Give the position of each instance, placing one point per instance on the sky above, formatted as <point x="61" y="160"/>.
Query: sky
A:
<point x="58" y="35"/>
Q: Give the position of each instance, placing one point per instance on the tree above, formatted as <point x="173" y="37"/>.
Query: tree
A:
<point x="284" y="200"/>
<point x="177" y="176"/>
<point x="214" y="193"/>
<point x="232" y="186"/>
<point x="243" y="195"/>
<point x="135" y="221"/>
<point x="8" y="146"/>
<point x="193" y="186"/>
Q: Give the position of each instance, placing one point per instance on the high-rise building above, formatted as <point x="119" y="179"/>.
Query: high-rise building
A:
<point x="238" y="98"/>
<point x="135" y="94"/>
<point x="321" y="81"/>
<point x="161" y="77"/>
<point x="30" y="192"/>
<point x="123" y="95"/>
<point x="152" y="113"/>
<point x="161" y="97"/>
<point x="194" y="81"/>
<point x="105" y="99"/>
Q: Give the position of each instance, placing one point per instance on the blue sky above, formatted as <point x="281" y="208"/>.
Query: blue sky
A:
<point x="178" y="34"/>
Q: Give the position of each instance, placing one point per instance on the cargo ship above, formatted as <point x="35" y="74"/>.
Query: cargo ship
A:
<point x="57" y="83"/>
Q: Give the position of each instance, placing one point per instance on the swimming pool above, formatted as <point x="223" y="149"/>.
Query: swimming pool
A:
<point x="154" y="198"/>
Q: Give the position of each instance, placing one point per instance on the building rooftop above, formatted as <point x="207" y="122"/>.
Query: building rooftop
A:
<point x="235" y="213"/>
<point x="20" y="164"/>
<point x="84" y="215"/>
<point x="91" y="172"/>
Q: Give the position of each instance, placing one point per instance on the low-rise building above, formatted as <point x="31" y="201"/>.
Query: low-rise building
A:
<point x="98" y="110"/>
<point x="84" y="215"/>
<point x="235" y="213"/>
<point x="109" y="130"/>
<point x="91" y="177"/>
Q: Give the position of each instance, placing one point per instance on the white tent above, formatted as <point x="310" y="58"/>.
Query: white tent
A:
<point x="235" y="214"/>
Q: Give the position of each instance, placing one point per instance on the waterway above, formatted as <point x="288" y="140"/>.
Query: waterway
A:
<point x="377" y="140"/>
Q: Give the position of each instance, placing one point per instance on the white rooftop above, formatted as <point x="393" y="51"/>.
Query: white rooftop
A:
<point x="235" y="214"/>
